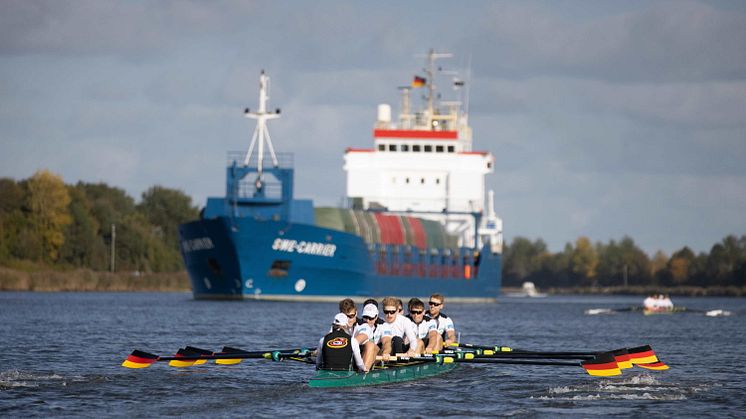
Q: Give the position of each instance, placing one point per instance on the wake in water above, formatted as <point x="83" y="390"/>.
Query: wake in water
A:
<point x="639" y="387"/>
<point x="18" y="379"/>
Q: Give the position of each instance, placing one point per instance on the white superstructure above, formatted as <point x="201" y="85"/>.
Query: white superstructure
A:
<point x="424" y="164"/>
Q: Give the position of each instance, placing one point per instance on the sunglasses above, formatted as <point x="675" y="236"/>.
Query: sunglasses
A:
<point x="416" y="312"/>
<point x="368" y="318"/>
<point x="390" y="311"/>
<point x="434" y="304"/>
<point x="349" y="316"/>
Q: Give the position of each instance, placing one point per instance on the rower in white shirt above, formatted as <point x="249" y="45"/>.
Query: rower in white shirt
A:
<point x="446" y="329"/>
<point x="427" y="330"/>
<point x="368" y="335"/>
<point x="395" y="330"/>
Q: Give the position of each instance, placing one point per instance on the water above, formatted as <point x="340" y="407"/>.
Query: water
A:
<point x="60" y="355"/>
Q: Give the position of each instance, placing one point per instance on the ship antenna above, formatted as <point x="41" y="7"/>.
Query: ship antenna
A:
<point x="261" y="133"/>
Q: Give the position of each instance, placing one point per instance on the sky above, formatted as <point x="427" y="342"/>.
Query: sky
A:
<point x="606" y="118"/>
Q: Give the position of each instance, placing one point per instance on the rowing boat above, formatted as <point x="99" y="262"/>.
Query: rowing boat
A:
<point x="386" y="375"/>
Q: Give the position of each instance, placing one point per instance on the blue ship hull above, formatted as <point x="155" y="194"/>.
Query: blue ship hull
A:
<point x="254" y="258"/>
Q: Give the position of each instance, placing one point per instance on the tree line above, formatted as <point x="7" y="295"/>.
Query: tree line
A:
<point x="44" y="221"/>
<point x="622" y="263"/>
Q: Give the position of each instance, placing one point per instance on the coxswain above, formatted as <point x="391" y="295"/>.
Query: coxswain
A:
<point x="446" y="329"/>
<point x="395" y="329"/>
<point x="368" y="335"/>
<point x="427" y="331"/>
<point x="338" y="350"/>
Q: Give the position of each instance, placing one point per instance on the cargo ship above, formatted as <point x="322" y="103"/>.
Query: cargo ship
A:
<point x="417" y="219"/>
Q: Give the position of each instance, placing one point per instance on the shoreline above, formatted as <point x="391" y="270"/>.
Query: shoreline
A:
<point x="86" y="280"/>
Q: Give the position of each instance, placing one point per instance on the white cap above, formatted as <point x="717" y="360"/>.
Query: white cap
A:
<point x="340" y="319"/>
<point x="370" y="310"/>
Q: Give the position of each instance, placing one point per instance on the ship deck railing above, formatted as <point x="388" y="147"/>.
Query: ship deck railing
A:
<point x="284" y="160"/>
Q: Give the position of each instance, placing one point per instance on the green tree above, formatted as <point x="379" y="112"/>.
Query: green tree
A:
<point x="165" y="209"/>
<point x="48" y="201"/>
<point x="11" y="217"/>
<point x="84" y="246"/>
<point x="617" y="260"/>
<point x="522" y="258"/>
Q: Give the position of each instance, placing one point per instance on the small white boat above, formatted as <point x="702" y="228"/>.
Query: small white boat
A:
<point x="527" y="290"/>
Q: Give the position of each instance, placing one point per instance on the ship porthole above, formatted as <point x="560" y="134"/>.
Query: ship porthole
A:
<point x="208" y="284"/>
<point x="300" y="285"/>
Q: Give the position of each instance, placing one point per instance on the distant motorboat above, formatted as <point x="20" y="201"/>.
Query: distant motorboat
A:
<point x="528" y="289"/>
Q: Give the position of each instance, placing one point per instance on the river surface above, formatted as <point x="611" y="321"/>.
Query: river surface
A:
<point x="60" y="355"/>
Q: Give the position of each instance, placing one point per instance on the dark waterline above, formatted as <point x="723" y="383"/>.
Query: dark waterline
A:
<point x="61" y="354"/>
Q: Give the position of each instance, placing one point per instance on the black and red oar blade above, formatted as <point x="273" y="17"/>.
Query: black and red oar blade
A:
<point x="657" y="366"/>
<point x="622" y="358"/>
<point x="603" y="365"/>
<point x="140" y="359"/>
<point x="642" y="355"/>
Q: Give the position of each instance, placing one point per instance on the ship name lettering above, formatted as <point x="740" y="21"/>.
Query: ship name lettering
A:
<point x="202" y="243"/>
<point x="304" y="247"/>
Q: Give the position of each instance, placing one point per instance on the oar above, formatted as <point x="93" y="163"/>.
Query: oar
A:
<point x="643" y="356"/>
<point x="602" y="365"/>
<point x="142" y="359"/>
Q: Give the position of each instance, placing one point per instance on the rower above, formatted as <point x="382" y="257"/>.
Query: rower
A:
<point x="347" y="306"/>
<point x="427" y="330"/>
<point x="446" y="330"/>
<point x="395" y="329"/>
<point x="368" y="335"/>
<point x="338" y="350"/>
<point x="374" y="303"/>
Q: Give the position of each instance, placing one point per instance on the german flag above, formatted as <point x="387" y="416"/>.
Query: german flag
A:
<point x="642" y="355"/>
<point x="232" y="361"/>
<point x="139" y="359"/>
<point x="418" y="81"/>
<point x="603" y="365"/>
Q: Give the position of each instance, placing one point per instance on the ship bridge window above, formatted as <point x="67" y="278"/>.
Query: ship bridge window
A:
<point x="438" y="148"/>
<point x="416" y="148"/>
<point x="406" y="180"/>
<point x="422" y="180"/>
<point x="428" y="149"/>
<point x="405" y="147"/>
<point x="381" y="147"/>
<point x="451" y="149"/>
<point x="489" y="165"/>
<point x="392" y="147"/>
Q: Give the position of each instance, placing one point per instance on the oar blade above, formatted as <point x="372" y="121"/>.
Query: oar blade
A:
<point x="603" y="365"/>
<point x="183" y="363"/>
<point x="642" y="355"/>
<point x="622" y="358"/>
<point x="231" y="361"/>
<point x="656" y="366"/>
<point x="139" y="359"/>
<point x="199" y="351"/>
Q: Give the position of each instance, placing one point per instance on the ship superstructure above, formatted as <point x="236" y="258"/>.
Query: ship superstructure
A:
<point x="423" y="164"/>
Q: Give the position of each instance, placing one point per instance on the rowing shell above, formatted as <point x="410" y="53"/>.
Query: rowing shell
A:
<point x="387" y="375"/>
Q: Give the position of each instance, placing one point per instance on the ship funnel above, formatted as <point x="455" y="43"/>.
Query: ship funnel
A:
<point x="384" y="114"/>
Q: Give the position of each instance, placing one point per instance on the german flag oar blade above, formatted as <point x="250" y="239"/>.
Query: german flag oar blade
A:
<point x="199" y="351"/>
<point x="603" y="365"/>
<point x="622" y="358"/>
<point x="182" y="363"/>
<point x="231" y="361"/>
<point x="658" y="366"/>
<point x="139" y="359"/>
<point x="642" y="355"/>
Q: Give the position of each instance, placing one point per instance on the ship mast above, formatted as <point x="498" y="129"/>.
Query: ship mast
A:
<point x="430" y="71"/>
<point x="261" y="133"/>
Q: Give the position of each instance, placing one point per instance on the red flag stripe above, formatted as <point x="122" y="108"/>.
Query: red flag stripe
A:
<point x="604" y="366"/>
<point x="644" y="354"/>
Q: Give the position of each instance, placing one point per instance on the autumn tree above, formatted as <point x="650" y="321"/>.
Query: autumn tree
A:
<point x="47" y="202"/>
<point x="584" y="261"/>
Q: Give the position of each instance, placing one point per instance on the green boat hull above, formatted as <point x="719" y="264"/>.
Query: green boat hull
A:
<point x="388" y="375"/>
